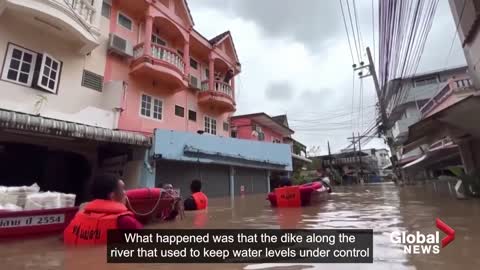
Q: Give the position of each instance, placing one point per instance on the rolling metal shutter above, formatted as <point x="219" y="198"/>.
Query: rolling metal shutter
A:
<point x="253" y="180"/>
<point x="215" y="178"/>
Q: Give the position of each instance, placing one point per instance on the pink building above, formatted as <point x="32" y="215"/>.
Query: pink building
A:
<point x="173" y="77"/>
<point x="259" y="126"/>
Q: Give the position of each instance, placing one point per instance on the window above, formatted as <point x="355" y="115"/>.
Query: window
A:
<point x="151" y="107"/>
<point x="19" y="65"/>
<point x="49" y="73"/>
<point x="106" y="9"/>
<point x="207" y="73"/>
<point x="92" y="80"/>
<point x="233" y="134"/>
<point x="124" y="21"/>
<point x="210" y="125"/>
<point x="157" y="40"/>
<point x="192" y="115"/>
<point x="193" y="63"/>
<point x="225" y="126"/>
<point x="179" y="111"/>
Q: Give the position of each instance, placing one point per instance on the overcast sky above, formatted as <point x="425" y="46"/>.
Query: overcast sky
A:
<point x="296" y="61"/>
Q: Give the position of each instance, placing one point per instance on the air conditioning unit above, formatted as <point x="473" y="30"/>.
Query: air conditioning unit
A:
<point x="194" y="82"/>
<point x="119" y="45"/>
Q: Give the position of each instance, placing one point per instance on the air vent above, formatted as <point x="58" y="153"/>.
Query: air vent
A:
<point x="92" y="80"/>
<point x="120" y="45"/>
<point x="194" y="82"/>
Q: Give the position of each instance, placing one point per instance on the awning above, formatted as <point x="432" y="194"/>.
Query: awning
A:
<point x="436" y="157"/>
<point x="461" y="117"/>
<point x="415" y="162"/>
<point x="47" y="126"/>
<point x="298" y="157"/>
<point x="223" y="158"/>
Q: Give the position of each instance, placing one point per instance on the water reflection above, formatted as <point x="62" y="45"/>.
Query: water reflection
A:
<point x="384" y="208"/>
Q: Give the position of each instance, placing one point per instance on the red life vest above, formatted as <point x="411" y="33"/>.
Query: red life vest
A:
<point x="288" y="196"/>
<point x="90" y="225"/>
<point x="201" y="200"/>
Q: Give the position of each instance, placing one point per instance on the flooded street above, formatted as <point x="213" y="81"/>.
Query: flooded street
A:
<point x="382" y="207"/>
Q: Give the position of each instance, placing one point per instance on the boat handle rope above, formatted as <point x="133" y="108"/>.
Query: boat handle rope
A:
<point x="155" y="208"/>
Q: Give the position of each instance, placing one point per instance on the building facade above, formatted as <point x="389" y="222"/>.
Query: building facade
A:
<point x="407" y="96"/>
<point x="58" y="127"/>
<point x="92" y="86"/>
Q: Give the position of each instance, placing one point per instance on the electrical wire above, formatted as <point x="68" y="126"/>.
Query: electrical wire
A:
<point x="346" y="31"/>
<point x="355" y="39"/>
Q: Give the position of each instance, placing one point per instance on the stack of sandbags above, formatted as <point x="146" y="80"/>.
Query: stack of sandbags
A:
<point x="10" y="207"/>
<point x="68" y="200"/>
<point x="22" y="193"/>
<point x="49" y="200"/>
<point x="44" y="200"/>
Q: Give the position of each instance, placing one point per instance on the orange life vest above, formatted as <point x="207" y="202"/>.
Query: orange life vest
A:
<point x="90" y="225"/>
<point x="201" y="200"/>
<point x="288" y="196"/>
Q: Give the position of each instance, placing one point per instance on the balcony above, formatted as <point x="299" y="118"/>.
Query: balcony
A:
<point x="160" y="63"/>
<point x="400" y="129"/>
<point x="219" y="97"/>
<point x="438" y="101"/>
<point x="75" y="21"/>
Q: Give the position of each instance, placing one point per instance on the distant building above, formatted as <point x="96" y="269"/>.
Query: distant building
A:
<point x="275" y="130"/>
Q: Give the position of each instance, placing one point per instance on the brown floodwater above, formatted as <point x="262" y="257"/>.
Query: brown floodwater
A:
<point x="382" y="207"/>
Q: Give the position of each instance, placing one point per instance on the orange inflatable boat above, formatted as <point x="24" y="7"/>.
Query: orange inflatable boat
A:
<point x="297" y="196"/>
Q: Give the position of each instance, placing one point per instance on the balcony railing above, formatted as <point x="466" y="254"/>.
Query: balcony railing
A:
<point x="445" y="92"/>
<point x="82" y="8"/>
<point x="162" y="53"/>
<point x="219" y="86"/>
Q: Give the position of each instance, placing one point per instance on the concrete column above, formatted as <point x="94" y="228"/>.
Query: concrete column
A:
<point x="211" y="74"/>
<point x="186" y="58"/>
<point x="269" y="173"/>
<point x="232" y="182"/>
<point x="147" y="38"/>
<point x="232" y="85"/>
<point x="465" y="147"/>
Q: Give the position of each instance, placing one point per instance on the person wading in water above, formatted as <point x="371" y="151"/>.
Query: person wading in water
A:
<point x="107" y="211"/>
<point x="198" y="200"/>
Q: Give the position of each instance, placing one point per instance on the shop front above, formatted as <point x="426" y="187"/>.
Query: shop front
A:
<point x="63" y="156"/>
<point x="226" y="166"/>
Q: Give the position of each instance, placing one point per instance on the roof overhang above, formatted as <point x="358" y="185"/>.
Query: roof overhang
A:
<point x="436" y="156"/>
<point x="16" y="121"/>
<point x="304" y="159"/>
<point x="460" y="119"/>
<point x="266" y="121"/>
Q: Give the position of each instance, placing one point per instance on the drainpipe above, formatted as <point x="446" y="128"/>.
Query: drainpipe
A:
<point x="269" y="173"/>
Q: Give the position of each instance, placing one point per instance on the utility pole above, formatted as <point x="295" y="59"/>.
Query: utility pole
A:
<point x="381" y="101"/>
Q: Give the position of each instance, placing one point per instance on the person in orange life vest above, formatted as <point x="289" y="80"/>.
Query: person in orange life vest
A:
<point x="198" y="200"/>
<point x="107" y="211"/>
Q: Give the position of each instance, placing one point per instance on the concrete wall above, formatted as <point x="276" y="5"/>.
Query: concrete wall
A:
<point x="72" y="102"/>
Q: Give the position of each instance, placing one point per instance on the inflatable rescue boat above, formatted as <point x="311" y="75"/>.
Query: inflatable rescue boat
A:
<point x="297" y="196"/>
